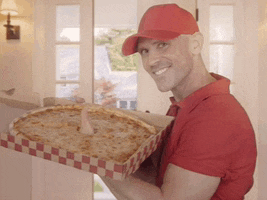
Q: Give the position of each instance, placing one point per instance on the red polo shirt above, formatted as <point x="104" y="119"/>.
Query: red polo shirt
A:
<point x="212" y="135"/>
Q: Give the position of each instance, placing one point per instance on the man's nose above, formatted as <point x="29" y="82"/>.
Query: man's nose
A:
<point x="153" y="58"/>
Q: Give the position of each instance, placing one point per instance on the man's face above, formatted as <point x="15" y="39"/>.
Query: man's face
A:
<point x="168" y="63"/>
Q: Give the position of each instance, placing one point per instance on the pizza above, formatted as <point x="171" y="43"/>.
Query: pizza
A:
<point x="104" y="133"/>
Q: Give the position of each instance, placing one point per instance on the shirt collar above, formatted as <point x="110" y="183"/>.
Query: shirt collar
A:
<point x="221" y="86"/>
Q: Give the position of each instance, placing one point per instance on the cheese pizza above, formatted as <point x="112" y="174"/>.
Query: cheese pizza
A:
<point x="103" y="133"/>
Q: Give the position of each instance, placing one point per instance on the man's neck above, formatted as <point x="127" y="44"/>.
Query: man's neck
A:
<point x="196" y="81"/>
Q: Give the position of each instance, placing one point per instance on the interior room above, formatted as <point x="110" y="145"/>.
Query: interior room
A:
<point x="32" y="77"/>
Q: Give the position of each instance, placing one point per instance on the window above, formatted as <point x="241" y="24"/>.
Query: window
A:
<point x="222" y="36"/>
<point x="65" y="38"/>
<point x="67" y="49"/>
<point x="129" y="105"/>
<point x="68" y="59"/>
<point x="222" y="40"/>
<point x="70" y="67"/>
<point x="115" y="76"/>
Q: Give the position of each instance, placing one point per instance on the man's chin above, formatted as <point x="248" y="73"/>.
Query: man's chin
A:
<point x="163" y="89"/>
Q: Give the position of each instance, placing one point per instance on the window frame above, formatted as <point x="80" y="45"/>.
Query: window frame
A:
<point x="44" y="79"/>
<point x="86" y="79"/>
<point x="238" y="45"/>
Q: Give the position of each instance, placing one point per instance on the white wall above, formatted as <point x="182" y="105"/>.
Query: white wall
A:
<point x="263" y="70"/>
<point x="262" y="98"/>
<point x="16" y="55"/>
<point x="16" y="71"/>
<point x="247" y="75"/>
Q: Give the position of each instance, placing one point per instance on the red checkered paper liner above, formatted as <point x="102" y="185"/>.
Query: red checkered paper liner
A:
<point x="79" y="161"/>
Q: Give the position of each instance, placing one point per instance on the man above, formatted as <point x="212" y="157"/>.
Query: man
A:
<point x="209" y="150"/>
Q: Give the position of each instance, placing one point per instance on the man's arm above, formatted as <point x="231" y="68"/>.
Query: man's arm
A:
<point x="178" y="184"/>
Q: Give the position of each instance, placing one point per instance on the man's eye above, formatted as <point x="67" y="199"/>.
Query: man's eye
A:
<point x="143" y="51"/>
<point x="162" y="44"/>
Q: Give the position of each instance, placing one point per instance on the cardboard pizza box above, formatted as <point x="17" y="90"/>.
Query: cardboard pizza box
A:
<point x="90" y="164"/>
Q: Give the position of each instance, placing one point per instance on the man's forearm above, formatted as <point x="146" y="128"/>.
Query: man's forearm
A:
<point x="133" y="189"/>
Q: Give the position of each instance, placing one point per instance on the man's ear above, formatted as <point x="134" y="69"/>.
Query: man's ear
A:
<point x="196" y="43"/>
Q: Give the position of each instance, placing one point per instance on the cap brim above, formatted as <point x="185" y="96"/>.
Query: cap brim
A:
<point x="130" y="44"/>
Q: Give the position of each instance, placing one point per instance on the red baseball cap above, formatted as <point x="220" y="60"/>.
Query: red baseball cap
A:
<point x="161" y="22"/>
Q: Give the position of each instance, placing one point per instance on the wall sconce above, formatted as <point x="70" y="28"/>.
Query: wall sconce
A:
<point x="9" y="7"/>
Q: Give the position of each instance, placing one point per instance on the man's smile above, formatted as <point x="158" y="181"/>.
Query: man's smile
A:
<point x="161" y="71"/>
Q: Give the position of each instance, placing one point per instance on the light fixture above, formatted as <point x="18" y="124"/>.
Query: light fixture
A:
<point x="9" y="7"/>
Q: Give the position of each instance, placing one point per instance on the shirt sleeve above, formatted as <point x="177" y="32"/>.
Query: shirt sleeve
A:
<point x="207" y="146"/>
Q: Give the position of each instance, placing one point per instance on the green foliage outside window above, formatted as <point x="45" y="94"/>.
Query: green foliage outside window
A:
<point x="113" y="40"/>
<point x="98" y="187"/>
